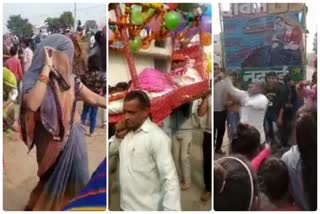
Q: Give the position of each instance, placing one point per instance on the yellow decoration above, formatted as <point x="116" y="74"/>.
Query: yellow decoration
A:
<point x="205" y="38"/>
<point x="156" y="5"/>
<point x="209" y="63"/>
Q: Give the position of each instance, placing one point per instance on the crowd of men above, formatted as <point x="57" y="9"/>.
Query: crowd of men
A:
<point x="269" y="161"/>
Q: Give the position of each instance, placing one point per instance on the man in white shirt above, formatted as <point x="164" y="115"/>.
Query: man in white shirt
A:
<point x="253" y="105"/>
<point x="27" y="55"/>
<point x="148" y="177"/>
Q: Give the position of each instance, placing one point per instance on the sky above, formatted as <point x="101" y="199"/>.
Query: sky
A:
<point x="312" y="19"/>
<point x="37" y="12"/>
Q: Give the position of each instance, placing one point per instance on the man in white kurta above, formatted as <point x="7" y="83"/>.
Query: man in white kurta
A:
<point x="253" y="105"/>
<point x="148" y="177"/>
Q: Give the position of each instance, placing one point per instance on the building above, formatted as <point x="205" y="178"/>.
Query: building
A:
<point x="37" y="28"/>
<point x="154" y="57"/>
<point x="217" y="49"/>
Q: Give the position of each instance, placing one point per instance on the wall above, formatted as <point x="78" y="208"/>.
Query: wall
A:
<point x="118" y="70"/>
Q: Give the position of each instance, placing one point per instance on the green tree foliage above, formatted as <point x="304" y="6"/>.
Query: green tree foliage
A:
<point x="63" y="22"/>
<point x="19" y="26"/>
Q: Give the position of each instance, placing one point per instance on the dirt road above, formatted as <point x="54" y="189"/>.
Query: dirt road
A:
<point x="20" y="168"/>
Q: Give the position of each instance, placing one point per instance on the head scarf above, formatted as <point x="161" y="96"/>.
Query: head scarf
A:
<point x="55" y="41"/>
<point x="56" y="107"/>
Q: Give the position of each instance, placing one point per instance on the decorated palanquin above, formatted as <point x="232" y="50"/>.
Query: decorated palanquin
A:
<point x="188" y="77"/>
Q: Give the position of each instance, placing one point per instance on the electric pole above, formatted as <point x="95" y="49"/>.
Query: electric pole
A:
<point x="75" y="17"/>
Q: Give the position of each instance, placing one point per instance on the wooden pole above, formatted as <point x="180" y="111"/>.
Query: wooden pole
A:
<point x="126" y="49"/>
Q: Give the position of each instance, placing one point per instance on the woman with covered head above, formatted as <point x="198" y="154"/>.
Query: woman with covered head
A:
<point x="49" y="121"/>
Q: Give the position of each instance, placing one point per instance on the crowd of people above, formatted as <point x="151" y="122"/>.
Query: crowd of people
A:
<point x="50" y="79"/>
<point x="270" y="162"/>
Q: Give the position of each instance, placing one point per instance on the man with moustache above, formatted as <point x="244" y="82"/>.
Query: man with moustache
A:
<point x="148" y="177"/>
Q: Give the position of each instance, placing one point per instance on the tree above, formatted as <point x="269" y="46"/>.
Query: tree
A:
<point x="19" y="26"/>
<point x="54" y="24"/>
<point x="315" y="43"/>
<point x="66" y="20"/>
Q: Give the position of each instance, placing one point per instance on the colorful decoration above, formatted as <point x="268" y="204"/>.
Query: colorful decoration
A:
<point x="112" y="27"/>
<point x="135" y="44"/>
<point x="111" y="35"/>
<point x="208" y="11"/>
<point x="155" y="23"/>
<point x="172" y="20"/>
<point x="166" y="22"/>
<point x="172" y="6"/>
<point x="205" y="38"/>
<point x="136" y="15"/>
<point x="147" y="14"/>
<point x="156" y="5"/>
<point x="209" y="63"/>
<point x="206" y="24"/>
<point x="149" y="22"/>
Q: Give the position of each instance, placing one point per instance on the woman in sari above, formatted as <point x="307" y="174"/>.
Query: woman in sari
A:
<point x="49" y="121"/>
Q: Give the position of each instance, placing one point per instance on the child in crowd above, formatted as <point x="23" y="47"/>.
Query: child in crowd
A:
<point x="235" y="185"/>
<point x="246" y="141"/>
<point x="273" y="178"/>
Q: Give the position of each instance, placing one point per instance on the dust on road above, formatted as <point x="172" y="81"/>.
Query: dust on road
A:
<point x="20" y="168"/>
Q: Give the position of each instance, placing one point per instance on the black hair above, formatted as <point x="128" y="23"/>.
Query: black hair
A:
<point x="246" y="141"/>
<point x="306" y="136"/>
<point x="112" y="89"/>
<point x="93" y="63"/>
<point x="103" y="49"/>
<point x="26" y="42"/>
<point x="122" y="86"/>
<point x="270" y="74"/>
<point x="139" y="95"/>
<point x="273" y="178"/>
<point x="232" y="184"/>
<point x="98" y="36"/>
<point x="13" y="50"/>
<point x="20" y="51"/>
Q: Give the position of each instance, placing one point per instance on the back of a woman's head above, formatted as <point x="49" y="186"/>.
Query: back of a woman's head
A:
<point x="93" y="63"/>
<point x="57" y="41"/>
<point x="246" y="141"/>
<point x="273" y="178"/>
<point x="235" y="184"/>
<point x="306" y="136"/>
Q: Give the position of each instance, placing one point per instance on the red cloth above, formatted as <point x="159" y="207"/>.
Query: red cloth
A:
<point x="295" y="36"/>
<point x="257" y="161"/>
<point x="14" y="65"/>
